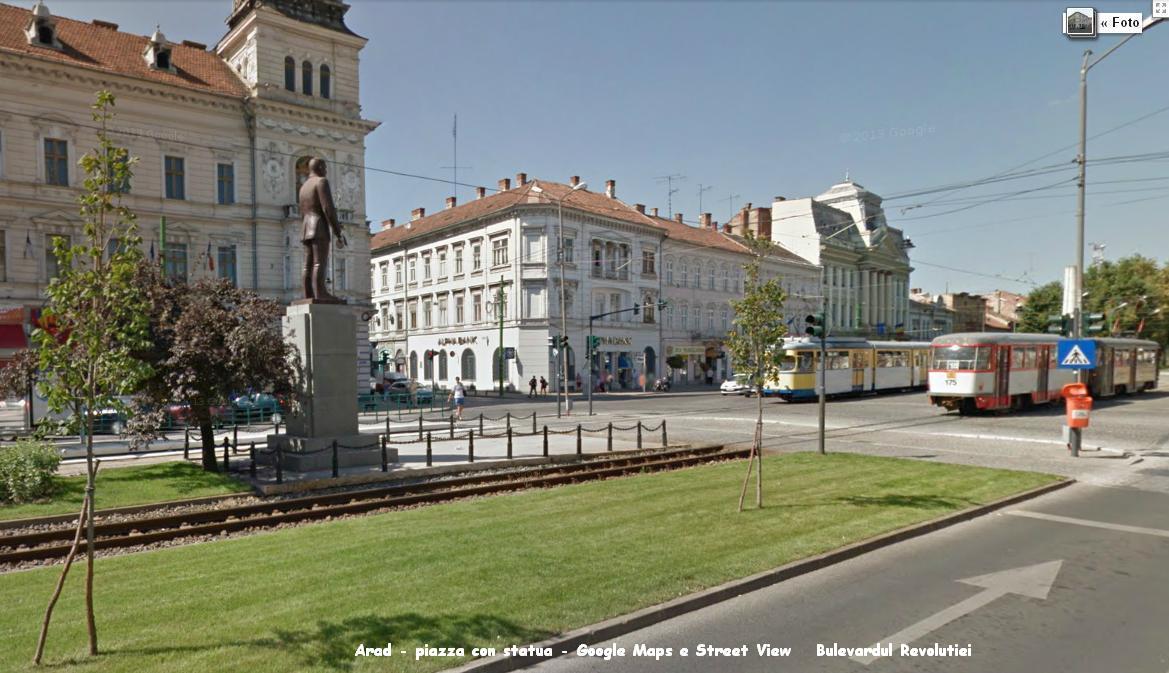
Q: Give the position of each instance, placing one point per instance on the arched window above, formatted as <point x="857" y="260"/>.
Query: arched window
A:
<point x="498" y="366"/>
<point x="651" y="363"/>
<point x="306" y="78"/>
<point x="301" y="174"/>
<point x="685" y="273"/>
<point x="571" y="378"/>
<point x="414" y="365"/>
<point x="468" y="365"/>
<point x="428" y="369"/>
<point x="442" y="371"/>
<point x="290" y="73"/>
<point x="326" y="82"/>
<point x="710" y="276"/>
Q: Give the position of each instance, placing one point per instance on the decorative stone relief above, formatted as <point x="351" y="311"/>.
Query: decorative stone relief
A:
<point x="274" y="172"/>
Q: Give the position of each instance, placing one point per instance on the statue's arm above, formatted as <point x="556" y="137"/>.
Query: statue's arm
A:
<point x="325" y="194"/>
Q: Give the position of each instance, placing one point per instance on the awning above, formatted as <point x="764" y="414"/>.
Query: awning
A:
<point x="12" y="337"/>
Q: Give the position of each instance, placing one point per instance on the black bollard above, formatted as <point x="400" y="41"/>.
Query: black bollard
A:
<point x="226" y="447"/>
<point x="452" y="424"/>
<point x="429" y="451"/>
<point x="252" y="456"/>
<point x="186" y="443"/>
<point x="610" y="442"/>
<point x="533" y="422"/>
<point x="279" y="465"/>
<point x="663" y="433"/>
<point x="480" y="423"/>
<point x="578" y="449"/>
<point x="639" y="434"/>
<point x="335" y="466"/>
<point x="509" y="443"/>
<point x="470" y="446"/>
<point x="385" y="462"/>
<point x="235" y="435"/>
<point x="419" y="426"/>
<point x="545" y="441"/>
<point x="509" y="420"/>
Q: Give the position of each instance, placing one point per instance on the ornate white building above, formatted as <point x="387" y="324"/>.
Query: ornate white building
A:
<point x="222" y="137"/>
<point x="437" y="278"/>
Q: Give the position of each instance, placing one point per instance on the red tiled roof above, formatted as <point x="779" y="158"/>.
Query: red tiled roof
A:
<point x="581" y="200"/>
<point x="103" y="49"/>
<point x="716" y="238"/>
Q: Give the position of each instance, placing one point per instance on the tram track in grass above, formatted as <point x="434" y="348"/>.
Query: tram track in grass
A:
<point x="19" y="548"/>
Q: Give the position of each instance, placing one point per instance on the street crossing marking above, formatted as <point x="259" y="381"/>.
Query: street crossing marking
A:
<point x="1075" y="357"/>
<point x="1089" y="523"/>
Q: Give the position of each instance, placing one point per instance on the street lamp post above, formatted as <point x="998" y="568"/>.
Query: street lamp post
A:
<point x="562" y="384"/>
<point x="1074" y="436"/>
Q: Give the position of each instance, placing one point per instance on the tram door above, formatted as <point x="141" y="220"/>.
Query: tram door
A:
<point x="1043" y="360"/>
<point x="1002" y="376"/>
<point x="1102" y="374"/>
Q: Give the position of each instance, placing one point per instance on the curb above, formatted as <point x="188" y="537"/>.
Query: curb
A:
<point x="621" y="625"/>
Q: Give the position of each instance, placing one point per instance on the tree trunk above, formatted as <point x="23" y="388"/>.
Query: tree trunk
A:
<point x="81" y="519"/>
<point x="202" y="415"/>
<point x="91" y="472"/>
<point x="759" y="453"/>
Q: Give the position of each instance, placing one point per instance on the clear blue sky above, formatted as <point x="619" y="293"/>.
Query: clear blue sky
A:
<point x="762" y="99"/>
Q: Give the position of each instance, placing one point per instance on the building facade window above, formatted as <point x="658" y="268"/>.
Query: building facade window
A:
<point x="458" y="253"/>
<point x="499" y="252"/>
<point x="468" y="365"/>
<point x="459" y="317"/>
<point x="384" y="268"/>
<point x="227" y="270"/>
<point x="710" y="277"/>
<point x="477" y="307"/>
<point x="326" y="82"/>
<point x="398" y="273"/>
<point x="175" y="168"/>
<point x="175" y="261"/>
<point x="669" y="272"/>
<point x="306" y="78"/>
<point x="685" y="270"/>
<point x="225" y="184"/>
<point x="412" y="315"/>
<point x="289" y="73"/>
<point x="725" y="321"/>
<point x="426" y="313"/>
<point x="52" y="262"/>
<point x="648" y="262"/>
<point x="426" y="268"/>
<point x="726" y="280"/>
<point x="414" y="364"/>
<point x="442" y="368"/>
<point x="413" y="277"/>
<point x="442" y="313"/>
<point x="569" y="254"/>
<point x="476" y="257"/>
<point x="399" y="316"/>
<point x="340" y="272"/>
<point x="56" y="162"/>
<point x="442" y="263"/>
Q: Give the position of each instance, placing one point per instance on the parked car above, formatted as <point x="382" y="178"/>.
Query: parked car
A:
<point x="255" y="408"/>
<point x="734" y="386"/>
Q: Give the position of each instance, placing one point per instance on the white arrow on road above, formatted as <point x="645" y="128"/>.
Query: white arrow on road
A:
<point x="1034" y="581"/>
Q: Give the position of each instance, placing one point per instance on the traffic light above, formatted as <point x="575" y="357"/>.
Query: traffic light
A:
<point x="1058" y="324"/>
<point x="430" y="354"/>
<point x="594" y="345"/>
<point x="552" y="341"/>
<point x="563" y="342"/>
<point x="636" y="309"/>
<point x="1096" y="322"/>
<point x="385" y="358"/>
<point x="663" y="304"/>
<point x="816" y="325"/>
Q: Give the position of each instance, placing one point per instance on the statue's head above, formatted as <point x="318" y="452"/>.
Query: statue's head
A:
<point x="316" y="166"/>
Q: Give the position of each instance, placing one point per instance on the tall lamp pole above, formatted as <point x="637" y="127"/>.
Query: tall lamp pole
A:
<point x="562" y="384"/>
<point x="1074" y="437"/>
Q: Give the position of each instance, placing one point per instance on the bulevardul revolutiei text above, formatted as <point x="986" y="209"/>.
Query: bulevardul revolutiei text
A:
<point x="643" y="650"/>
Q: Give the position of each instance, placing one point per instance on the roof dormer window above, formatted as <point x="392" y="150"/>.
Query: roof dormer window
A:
<point x="42" y="27"/>
<point x="158" y="52"/>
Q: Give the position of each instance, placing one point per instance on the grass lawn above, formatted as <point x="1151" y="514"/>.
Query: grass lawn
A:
<point x="123" y="486"/>
<point x="495" y="571"/>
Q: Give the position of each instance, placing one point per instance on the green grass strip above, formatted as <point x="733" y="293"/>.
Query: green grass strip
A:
<point x="125" y="486"/>
<point x="494" y="571"/>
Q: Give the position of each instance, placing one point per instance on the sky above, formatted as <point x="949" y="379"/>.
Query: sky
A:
<point x="762" y="99"/>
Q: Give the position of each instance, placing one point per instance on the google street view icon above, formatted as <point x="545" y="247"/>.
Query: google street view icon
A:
<point x="1079" y="22"/>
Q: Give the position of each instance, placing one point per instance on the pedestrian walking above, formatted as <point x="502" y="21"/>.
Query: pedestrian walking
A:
<point x="532" y="387"/>
<point x="459" y="397"/>
<point x="543" y="386"/>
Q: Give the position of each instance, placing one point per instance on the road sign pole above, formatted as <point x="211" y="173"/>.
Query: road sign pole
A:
<point x="589" y="354"/>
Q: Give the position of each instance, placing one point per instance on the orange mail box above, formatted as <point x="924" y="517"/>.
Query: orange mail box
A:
<point x="1079" y="404"/>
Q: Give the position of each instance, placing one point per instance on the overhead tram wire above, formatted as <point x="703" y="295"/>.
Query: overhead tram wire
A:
<point x="987" y="201"/>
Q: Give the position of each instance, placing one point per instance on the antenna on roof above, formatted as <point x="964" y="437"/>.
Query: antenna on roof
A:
<point x="730" y="199"/>
<point x="700" y="190"/>
<point x="455" y="164"/>
<point x="670" y="189"/>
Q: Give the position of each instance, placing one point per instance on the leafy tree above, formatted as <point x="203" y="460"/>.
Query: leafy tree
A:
<point x="755" y="343"/>
<point x="210" y="340"/>
<point x="1043" y="302"/>
<point x="97" y="315"/>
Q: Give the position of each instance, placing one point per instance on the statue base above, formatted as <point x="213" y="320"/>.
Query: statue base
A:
<point x="311" y="454"/>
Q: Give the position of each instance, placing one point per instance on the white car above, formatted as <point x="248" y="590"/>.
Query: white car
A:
<point x="733" y="387"/>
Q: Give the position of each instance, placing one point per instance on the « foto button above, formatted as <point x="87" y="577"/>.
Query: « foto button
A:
<point x="1119" y="22"/>
<point x="1080" y="22"/>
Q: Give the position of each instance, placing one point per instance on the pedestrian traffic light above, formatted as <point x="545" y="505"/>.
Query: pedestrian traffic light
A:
<point x="816" y="325"/>
<point x="1096" y="322"/>
<point x="1058" y="324"/>
<point x="552" y="341"/>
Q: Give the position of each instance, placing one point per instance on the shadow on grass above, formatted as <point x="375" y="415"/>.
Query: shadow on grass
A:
<point x="913" y="501"/>
<point x="331" y="644"/>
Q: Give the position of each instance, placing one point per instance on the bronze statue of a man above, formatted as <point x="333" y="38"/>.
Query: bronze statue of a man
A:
<point x="320" y="218"/>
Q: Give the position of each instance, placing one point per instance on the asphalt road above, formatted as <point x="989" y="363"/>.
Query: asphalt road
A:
<point x="1071" y="596"/>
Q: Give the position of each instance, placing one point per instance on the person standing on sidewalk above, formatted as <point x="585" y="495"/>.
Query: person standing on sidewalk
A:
<point x="459" y="397"/>
<point x="532" y="387"/>
<point x="543" y="386"/>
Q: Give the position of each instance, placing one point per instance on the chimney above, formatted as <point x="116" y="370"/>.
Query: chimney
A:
<point x="678" y="218"/>
<point x="388" y="224"/>
<point x="450" y="202"/>
<point x="417" y="214"/>
<point x="655" y="212"/>
<point x="748" y="205"/>
<point x="640" y="207"/>
<point x="705" y="220"/>
<point x="727" y="228"/>
<point x="781" y="198"/>
<point x="574" y="181"/>
<point x="105" y="24"/>
<point x="611" y="189"/>
<point x="521" y="179"/>
<point x="505" y="184"/>
<point x="480" y="192"/>
<point x="764" y="227"/>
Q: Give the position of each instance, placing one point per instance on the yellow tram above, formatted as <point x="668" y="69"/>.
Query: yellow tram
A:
<point x="854" y="366"/>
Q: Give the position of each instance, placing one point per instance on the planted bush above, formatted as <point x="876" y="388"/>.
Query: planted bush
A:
<point x="26" y="471"/>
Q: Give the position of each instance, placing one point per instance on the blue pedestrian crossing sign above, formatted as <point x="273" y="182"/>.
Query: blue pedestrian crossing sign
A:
<point x="1076" y="354"/>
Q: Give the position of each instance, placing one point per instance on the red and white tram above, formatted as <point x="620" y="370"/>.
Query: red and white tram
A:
<point x="982" y="371"/>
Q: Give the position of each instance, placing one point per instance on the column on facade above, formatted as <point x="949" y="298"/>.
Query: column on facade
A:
<point x="848" y="298"/>
<point x="887" y="295"/>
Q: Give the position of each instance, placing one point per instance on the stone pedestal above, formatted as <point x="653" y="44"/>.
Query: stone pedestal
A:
<point x="323" y="334"/>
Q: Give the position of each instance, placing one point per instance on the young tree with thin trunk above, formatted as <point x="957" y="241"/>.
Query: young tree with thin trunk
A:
<point x="756" y="345"/>
<point x="95" y="319"/>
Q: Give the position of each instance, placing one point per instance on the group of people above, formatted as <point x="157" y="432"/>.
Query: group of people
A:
<point x="532" y="386"/>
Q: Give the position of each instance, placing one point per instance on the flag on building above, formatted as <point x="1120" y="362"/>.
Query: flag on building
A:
<point x="210" y="259"/>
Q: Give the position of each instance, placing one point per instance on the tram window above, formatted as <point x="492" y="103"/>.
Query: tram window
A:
<point x="884" y="359"/>
<point x="961" y="357"/>
<point x="805" y="362"/>
<point x="788" y="364"/>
